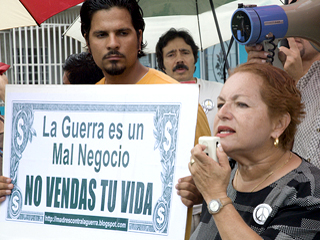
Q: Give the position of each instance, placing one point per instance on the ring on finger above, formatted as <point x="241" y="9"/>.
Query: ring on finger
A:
<point x="192" y="161"/>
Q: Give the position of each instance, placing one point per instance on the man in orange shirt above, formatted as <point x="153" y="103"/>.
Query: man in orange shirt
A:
<point x="114" y="36"/>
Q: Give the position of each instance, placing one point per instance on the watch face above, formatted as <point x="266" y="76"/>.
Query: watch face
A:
<point x="214" y="205"/>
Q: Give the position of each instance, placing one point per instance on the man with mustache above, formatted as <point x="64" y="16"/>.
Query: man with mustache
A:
<point x="177" y="55"/>
<point x="302" y="62"/>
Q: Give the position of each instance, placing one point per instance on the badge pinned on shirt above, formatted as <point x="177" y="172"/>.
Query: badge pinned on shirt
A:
<point x="207" y="105"/>
<point x="261" y="213"/>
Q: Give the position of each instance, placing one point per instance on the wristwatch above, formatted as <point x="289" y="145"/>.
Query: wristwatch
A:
<point x="215" y="205"/>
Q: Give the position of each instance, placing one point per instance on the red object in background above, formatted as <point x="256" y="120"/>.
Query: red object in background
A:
<point x="42" y="10"/>
<point x="3" y="67"/>
<point x="23" y="13"/>
<point x="188" y="82"/>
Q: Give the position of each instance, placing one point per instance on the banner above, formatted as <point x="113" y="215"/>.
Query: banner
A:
<point x="97" y="161"/>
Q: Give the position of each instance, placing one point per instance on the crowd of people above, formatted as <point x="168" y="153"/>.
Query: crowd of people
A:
<point x="268" y="121"/>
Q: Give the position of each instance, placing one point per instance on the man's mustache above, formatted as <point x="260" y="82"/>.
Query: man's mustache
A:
<point x="113" y="53"/>
<point x="179" y="66"/>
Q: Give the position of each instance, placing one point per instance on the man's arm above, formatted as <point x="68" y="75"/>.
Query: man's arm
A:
<point x="202" y="128"/>
<point x="186" y="188"/>
<point x="256" y="54"/>
<point x="290" y="58"/>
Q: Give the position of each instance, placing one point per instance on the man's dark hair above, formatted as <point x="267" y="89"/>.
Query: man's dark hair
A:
<point x="81" y="69"/>
<point x="170" y="35"/>
<point x="89" y="7"/>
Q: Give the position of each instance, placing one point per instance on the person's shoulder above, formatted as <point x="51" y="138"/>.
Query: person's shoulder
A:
<point x="101" y="81"/>
<point x="311" y="76"/>
<point x="307" y="166"/>
<point x="156" y="77"/>
<point x="316" y="64"/>
<point x="209" y="83"/>
<point x="309" y="172"/>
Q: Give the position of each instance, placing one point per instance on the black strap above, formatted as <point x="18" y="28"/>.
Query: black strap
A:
<point x="226" y="60"/>
<point x="219" y="32"/>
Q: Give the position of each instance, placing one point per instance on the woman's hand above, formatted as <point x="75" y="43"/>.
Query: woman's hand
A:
<point x="210" y="177"/>
<point x="5" y="187"/>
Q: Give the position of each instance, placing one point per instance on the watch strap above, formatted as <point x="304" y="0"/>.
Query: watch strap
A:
<point x="225" y="201"/>
<point x="222" y="202"/>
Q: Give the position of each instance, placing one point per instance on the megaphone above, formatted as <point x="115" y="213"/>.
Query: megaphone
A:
<point x="269" y="24"/>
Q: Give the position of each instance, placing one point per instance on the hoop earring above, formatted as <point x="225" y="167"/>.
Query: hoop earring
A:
<point x="276" y="142"/>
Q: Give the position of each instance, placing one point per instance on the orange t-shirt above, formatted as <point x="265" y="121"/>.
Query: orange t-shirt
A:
<point x="156" y="77"/>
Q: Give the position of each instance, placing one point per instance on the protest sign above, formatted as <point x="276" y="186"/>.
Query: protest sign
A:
<point x="97" y="161"/>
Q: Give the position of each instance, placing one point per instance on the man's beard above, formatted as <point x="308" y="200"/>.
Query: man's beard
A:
<point x="114" y="69"/>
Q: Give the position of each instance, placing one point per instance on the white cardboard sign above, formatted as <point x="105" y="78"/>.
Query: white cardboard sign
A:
<point x="97" y="161"/>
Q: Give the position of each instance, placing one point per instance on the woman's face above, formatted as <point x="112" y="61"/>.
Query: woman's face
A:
<point x="242" y="121"/>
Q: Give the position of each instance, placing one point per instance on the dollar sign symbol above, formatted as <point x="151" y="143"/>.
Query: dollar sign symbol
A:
<point x="20" y="131"/>
<point x="160" y="214"/>
<point x="15" y="201"/>
<point x="167" y="143"/>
